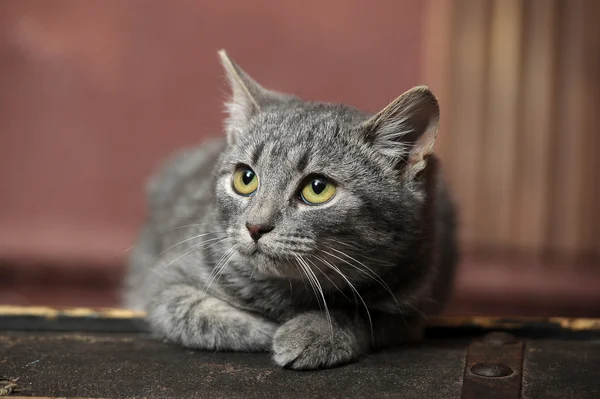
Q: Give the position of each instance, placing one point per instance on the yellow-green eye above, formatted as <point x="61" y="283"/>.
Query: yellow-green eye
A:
<point x="245" y="181"/>
<point x="317" y="191"/>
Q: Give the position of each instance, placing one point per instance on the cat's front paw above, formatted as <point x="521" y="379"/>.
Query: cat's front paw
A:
<point x="309" y="341"/>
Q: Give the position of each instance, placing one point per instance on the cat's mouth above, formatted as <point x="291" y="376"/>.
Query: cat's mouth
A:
<point x="264" y="253"/>
<point x="271" y="264"/>
<point x="249" y="250"/>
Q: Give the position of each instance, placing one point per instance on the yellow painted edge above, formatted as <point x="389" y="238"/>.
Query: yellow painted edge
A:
<point x="52" y="313"/>
<point x="577" y="324"/>
<point x="516" y="322"/>
<point x="440" y="321"/>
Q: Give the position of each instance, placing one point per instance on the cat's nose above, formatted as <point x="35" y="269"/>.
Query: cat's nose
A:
<point x="258" y="230"/>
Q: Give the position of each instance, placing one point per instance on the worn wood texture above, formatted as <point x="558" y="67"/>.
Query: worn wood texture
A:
<point x="46" y="352"/>
<point x="131" y="365"/>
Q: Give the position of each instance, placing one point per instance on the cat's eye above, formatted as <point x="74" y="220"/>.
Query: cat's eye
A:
<point x="317" y="190"/>
<point x="245" y="181"/>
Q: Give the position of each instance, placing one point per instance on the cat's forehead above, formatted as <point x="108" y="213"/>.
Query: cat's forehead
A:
<point x="293" y="154"/>
<point x="302" y="138"/>
<point x="304" y="124"/>
<point x="299" y="132"/>
<point x="310" y="114"/>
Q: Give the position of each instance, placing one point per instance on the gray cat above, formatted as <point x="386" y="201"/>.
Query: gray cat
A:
<point x="315" y="231"/>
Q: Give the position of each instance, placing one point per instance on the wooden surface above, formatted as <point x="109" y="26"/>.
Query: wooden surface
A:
<point x="560" y="360"/>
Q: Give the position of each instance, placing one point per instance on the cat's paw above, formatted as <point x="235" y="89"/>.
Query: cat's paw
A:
<point x="309" y="341"/>
<point x="259" y="336"/>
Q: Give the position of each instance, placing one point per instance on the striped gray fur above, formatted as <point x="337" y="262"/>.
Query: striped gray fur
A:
<point x="329" y="282"/>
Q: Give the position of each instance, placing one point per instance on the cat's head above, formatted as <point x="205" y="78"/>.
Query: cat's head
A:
<point x="308" y="185"/>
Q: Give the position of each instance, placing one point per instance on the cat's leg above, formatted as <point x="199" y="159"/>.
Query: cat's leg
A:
<point x="309" y="341"/>
<point x="185" y="315"/>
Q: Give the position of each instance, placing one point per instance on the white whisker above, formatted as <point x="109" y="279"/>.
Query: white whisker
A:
<point x="378" y="261"/>
<point x="416" y="309"/>
<point x="334" y="268"/>
<point x="310" y="281"/>
<point x="186" y="240"/>
<point x="327" y="277"/>
<point x="370" y="272"/>
<point x="253" y="270"/>
<point x="221" y="264"/>
<point x="195" y="247"/>
<point x="318" y="284"/>
<point x="227" y="262"/>
<point x="180" y="227"/>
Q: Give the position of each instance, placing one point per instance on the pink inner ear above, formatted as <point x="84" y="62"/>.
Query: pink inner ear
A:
<point x="407" y="127"/>
<point x="423" y="148"/>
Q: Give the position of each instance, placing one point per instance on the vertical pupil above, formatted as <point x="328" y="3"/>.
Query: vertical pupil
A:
<point x="318" y="186"/>
<point x="247" y="177"/>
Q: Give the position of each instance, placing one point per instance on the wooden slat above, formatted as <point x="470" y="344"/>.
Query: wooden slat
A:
<point x="593" y="72"/>
<point x="502" y="127"/>
<point x="470" y="69"/>
<point x="533" y="185"/>
<point x="437" y="55"/>
<point x="519" y="87"/>
<point x="568" y="172"/>
<point x="590" y="130"/>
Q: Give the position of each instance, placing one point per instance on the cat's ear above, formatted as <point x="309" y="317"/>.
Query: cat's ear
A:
<point x="247" y="97"/>
<point x="405" y="130"/>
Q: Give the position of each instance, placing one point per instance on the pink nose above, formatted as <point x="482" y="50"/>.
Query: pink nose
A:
<point x="258" y="230"/>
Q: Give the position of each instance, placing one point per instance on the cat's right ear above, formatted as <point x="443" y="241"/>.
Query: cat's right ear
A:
<point x="404" y="132"/>
<point x="247" y="97"/>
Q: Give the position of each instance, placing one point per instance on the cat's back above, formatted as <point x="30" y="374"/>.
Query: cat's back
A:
<point x="183" y="171"/>
<point x="178" y="193"/>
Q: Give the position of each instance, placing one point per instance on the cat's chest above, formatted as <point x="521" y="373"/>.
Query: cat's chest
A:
<point x="278" y="300"/>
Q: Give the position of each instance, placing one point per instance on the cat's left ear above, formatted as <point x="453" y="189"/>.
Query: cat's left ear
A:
<point x="405" y="130"/>
<point x="247" y="97"/>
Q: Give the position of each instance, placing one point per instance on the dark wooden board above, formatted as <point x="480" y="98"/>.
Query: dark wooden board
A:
<point x="95" y="361"/>
<point x="130" y="366"/>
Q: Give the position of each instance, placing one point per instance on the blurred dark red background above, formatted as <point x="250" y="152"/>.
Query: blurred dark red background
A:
<point x="93" y="95"/>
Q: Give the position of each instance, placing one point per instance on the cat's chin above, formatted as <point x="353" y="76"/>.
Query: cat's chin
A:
<point x="268" y="265"/>
<point x="279" y="271"/>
